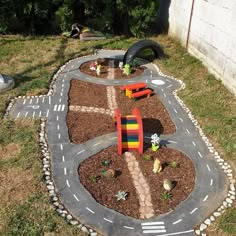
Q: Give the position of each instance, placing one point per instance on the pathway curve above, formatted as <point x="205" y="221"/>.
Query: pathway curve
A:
<point x="212" y="173"/>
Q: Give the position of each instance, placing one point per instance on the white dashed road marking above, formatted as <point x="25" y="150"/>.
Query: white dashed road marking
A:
<point x="26" y="114"/>
<point x="108" y="220"/>
<point x="67" y="182"/>
<point x="65" y="172"/>
<point x="90" y="210"/>
<point x="181" y="119"/>
<point x="61" y="147"/>
<point x="175" y="111"/>
<point x="128" y="227"/>
<point x="24" y="101"/>
<point x="187" y="131"/>
<point x="193" y="211"/>
<point x="96" y="144"/>
<point x="80" y="152"/>
<point x="208" y="167"/>
<point x="169" y="102"/>
<point x="211" y="183"/>
<point x="199" y="154"/>
<point x="63" y="158"/>
<point x="49" y="100"/>
<point x="30" y="101"/>
<point x="169" y="86"/>
<point x="205" y="198"/>
<point x="59" y="136"/>
<point x="18" y="115"/>
<point x="47" y="113"/>
<point x="176" y="222"/>
<point x="76" y="198"/>
<point x="194" y="144"/>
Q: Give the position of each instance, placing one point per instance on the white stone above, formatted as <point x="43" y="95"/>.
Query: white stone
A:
<point x="56" y="204"/>
<point x="212" y="218"/>
<point x="225" y="203"/>
<point x="93" y="234"/>
<point x="85" y="230"/>
<point x="232" y="181"/>
<point x="197" y="232"/>
<point x="232" y="192"/>
<point x="207" y="221"/>
<point x="203" y="227"/>
<point x="230" y="175"/>
<point x="216" y="214"/>
<point x="50" y="187"/>
<point x="69" y="217"/>
<point x="229" y="200"/>
<point x="232" y="188"/>
<point x="74" y="222"/>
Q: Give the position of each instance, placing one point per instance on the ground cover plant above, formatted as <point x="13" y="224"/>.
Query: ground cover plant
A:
<point x="32" y="61"/>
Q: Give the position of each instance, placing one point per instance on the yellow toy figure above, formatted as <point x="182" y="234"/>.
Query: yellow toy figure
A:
<point x="98" y="70"/>
<point x="127" y="69"/>
<point x="157" y="166"/>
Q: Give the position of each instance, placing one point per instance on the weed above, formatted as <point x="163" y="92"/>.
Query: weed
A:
<point x="174" y="164"/>
<point x="147" y="157"/>
<point x="93" y="178"/>
<point x="106" y="162"/>
<point x="166" y="196"/>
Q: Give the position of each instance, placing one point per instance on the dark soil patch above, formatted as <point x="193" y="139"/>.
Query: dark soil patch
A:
<point x="105" y="189"/>
<point x="110" y="70"/>
<point x="83" y="126"/>
<point x="87" y="94"/>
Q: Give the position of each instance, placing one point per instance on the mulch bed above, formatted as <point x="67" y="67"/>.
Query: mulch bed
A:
<point x="105" y="189"/>
<point x="83" y="126"/>
<point x="106" y="72"/>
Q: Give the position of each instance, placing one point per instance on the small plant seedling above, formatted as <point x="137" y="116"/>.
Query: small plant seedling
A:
<point x="106" y="162"/>
<point x="93" y="178"/>
<point x="103" y="172"/>
<point x="166" y="196"/>
<point x="174" y="164"/>
<point x="110" y="173"/>
<point x="147" y="157"/>
<point x="121" y="195"/>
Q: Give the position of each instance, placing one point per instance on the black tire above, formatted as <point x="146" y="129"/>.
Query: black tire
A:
<point x="133" y="51"/>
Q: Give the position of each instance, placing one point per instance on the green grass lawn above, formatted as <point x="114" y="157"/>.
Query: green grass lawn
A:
<point x="25" y="207"/>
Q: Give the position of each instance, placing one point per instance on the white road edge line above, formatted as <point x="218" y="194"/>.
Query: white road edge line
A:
<point x="177" y="233"/>
<point x="176" y="222"/>
<point x="67" y="182"/>
<point x="76" y="198"/>
<point x="90" y="210"/>
<point x="193" y="211"/>
<point x="108" y="220"/>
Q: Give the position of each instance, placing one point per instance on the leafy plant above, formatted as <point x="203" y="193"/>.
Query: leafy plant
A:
<point x="106" y="162"/>
<point x="110" y="173"/>
<point x="121" y="195"/>
<point x="104" y="173"/>
<point x="93" y="178"/>
<point x="174" y="164"/>
<point x="166" y="196"/>
<point x="147" y="157"/>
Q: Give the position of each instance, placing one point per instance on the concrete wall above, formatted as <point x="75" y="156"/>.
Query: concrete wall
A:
<point x="212" y="36"/>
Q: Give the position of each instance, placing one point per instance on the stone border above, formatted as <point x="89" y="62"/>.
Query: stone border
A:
<point x="224" y="165"/>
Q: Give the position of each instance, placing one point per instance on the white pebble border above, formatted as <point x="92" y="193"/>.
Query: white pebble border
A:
<point x="47" y="171"/>
<point x="228" y="201"/>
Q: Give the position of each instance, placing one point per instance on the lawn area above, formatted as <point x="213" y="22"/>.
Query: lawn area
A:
<point x="25" y="207"/>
